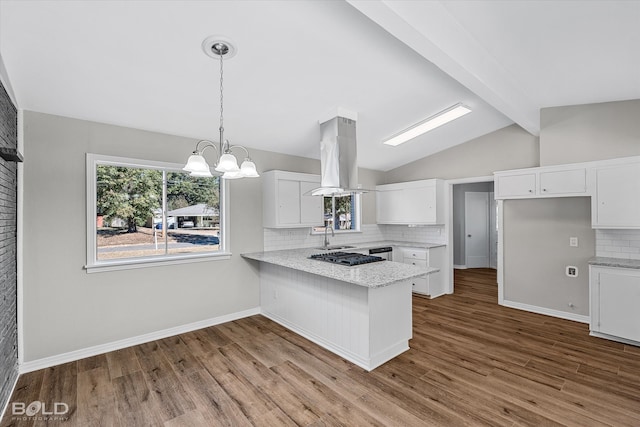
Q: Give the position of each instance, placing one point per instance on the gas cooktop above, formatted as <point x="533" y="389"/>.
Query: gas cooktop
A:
<point x="346" y="258"/>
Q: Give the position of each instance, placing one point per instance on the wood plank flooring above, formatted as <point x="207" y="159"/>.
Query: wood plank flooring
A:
<point x="472" y="362"/>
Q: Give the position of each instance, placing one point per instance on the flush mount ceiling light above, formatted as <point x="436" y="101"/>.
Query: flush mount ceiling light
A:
<point x="220" y="47"/>
<point x="439" y="119"/>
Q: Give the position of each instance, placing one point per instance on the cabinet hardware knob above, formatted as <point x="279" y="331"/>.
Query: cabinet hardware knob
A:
<point x="530" y="191"/>
<point x="468" y="235"/>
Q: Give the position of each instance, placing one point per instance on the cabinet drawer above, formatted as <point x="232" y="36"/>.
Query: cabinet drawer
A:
<point x="420" y="285"/>
<point x="417" y="262"/>
<point x="414" y="254"/>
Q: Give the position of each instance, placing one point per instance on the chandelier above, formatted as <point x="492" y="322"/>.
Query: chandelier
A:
<point x="226" y="162"/>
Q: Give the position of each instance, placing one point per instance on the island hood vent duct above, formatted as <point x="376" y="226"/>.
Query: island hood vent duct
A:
<point x="338" y="158"/>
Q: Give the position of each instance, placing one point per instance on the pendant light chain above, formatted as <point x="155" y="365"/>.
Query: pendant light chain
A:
<point x="221" y="92"/>
<point x="222" y="48"/>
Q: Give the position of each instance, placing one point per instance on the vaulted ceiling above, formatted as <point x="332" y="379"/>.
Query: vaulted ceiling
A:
<point x="394" y="63"/>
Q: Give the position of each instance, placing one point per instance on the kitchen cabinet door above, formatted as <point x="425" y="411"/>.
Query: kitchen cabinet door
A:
<point x="286" y="202"/>
<point x="414" y="202"/>
<point x="389" y="206"/>
<point x="511" y="186"/>
<point x="563" y="182"/>
<point x="616" y="202"/>
<point x="310" y="206"/>
<point x="615" y="296"/>
<point x="436" y="280"/>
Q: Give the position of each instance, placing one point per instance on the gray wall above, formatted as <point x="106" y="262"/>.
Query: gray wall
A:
<point x="65" y="308"/>
<point x="8" y="261"/>
<point x="459" y="254"/>
<point x="536" y="252"/>
<point x="589" y="132"/>
<point x="537" y="229"/>
<point x="507" y="148"/>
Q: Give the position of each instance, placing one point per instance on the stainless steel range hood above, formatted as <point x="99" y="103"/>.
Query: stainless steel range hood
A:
<point x="338" y="158"/>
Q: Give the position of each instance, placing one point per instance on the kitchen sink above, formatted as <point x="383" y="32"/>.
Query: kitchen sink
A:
<point x="334" y="247"/>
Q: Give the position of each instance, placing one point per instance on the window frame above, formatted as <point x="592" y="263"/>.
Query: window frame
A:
<point x="357" y="209"/>
<point x="94" y="265"/>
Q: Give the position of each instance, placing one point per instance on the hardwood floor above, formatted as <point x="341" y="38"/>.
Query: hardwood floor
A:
<point x="472" y="362"/>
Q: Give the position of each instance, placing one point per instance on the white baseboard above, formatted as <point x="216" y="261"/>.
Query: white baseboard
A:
<point x="434" y="295"/>
<point x="546" y="311"/>
<point x="459" y="267"/>
<point x="71" y="356"/>
<point x="6" y="404"/>
<point x="614" y="338"/>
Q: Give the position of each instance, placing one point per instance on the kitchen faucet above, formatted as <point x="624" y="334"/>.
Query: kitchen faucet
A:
<point x="326" y="238"/>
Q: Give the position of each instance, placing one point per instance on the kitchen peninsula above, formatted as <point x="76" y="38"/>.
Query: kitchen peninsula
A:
<point x="362" y="313"/>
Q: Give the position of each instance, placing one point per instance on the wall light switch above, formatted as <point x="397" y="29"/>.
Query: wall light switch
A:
<point x="573" y="241"/>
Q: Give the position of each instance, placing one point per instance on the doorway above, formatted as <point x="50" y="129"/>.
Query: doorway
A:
<point x="471" y="200"/>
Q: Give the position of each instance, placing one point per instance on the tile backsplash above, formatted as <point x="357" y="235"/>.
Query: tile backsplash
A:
<point x="291" y="238"/>
<point x="618" y="243"/>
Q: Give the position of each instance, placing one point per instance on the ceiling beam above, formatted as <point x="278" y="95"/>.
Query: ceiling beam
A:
<point x="430" y="30"/>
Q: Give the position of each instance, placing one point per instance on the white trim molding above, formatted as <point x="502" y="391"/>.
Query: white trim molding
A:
<point x="71" y="356"/>
<point x="546" y="311"/>
<point x="450" y="265"/>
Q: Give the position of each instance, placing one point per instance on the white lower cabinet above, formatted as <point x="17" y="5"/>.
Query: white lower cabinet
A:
<point x="615" y="302"/>
<point x="430" y="284"/>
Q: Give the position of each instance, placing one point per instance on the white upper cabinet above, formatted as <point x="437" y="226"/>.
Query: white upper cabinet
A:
<point x="286" y="202"/>
<point x="614" y="187"/>
<point x="414" y="202"/>
<point x="516" y="185"/>
<point x="563" y="182"/>
<point x="616" y="202"/>
<point x="552" y="181"/>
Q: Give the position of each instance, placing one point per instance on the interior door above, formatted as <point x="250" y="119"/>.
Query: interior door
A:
<point x="476" y="224"/>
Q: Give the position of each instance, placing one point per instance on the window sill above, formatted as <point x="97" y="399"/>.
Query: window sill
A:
<point x="153" y="262"/>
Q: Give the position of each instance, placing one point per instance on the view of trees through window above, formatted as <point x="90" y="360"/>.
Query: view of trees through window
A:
<point x="339" y="212"/>
<point x="152" y="212"/>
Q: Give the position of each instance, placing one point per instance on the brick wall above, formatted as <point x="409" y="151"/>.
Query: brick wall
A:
<point x="8" y="214"/>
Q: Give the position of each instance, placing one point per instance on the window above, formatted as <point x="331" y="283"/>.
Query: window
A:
<point x="341" y="213"/>
<point x="143" y="212"/>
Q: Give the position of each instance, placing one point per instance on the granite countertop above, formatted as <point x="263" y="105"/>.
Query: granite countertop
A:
<point x="602" y="261"/>
<point x="373" y="275"/>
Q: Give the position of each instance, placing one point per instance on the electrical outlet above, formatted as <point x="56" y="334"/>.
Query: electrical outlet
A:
<point x="572" y="271"/>
<point x="573" y="241"/>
